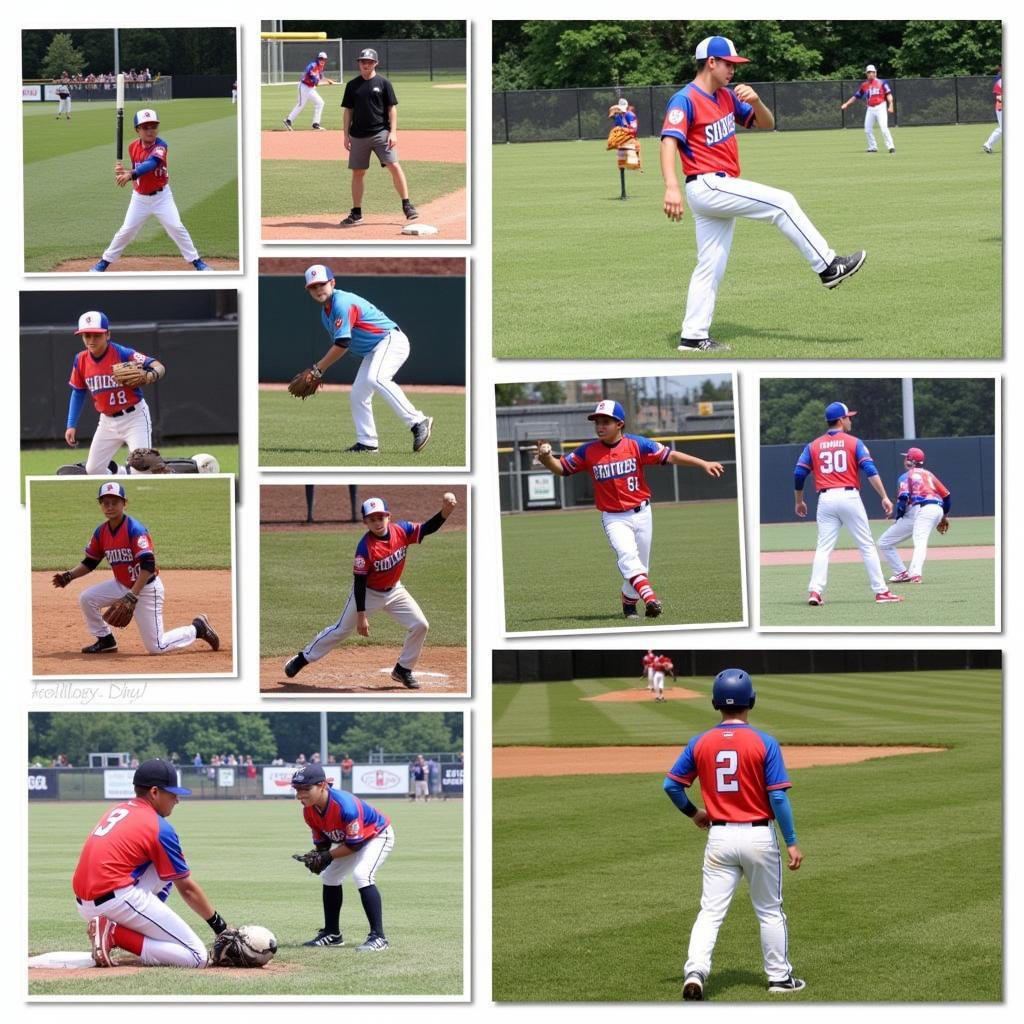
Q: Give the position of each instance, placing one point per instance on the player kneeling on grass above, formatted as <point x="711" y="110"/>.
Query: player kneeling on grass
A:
<point x="615" y="462"/>
<point x="126" y="870"/>
<point x="349" y="837"/>
<point x="377" y="586"/>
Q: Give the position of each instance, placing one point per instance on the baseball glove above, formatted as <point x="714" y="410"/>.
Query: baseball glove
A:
<point x="943" y="526"/>
<point x="61" y="579"/>
<point x="230" y="951"/>
<point x="307" y="383"/>
<point x="120" y="613"/>
<point x="131" y="375"/>
<point x="147" y="460"/>
<point x="315" y="860"/>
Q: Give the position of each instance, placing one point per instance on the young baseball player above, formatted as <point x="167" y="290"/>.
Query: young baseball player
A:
<point x="377" y="586"/>
<point x="136" y="591"/>
<point x="922" y="504"/>
<point x="112" y="376"/>
<point x="878" y="101"/>
<point x="151" y="195"/>
<point x="836" y="460"/>
<point x="997" y="132"/>
<point x="743" y="785"/>
<point x="349" y="837"/>
<point x="126" y="870"/>
<point x="700" y="125"/>
<point x="311" y="78"/>
<point x="356" y="325"/>
<point x="648" y="672"/>
<point x="615" y="462"/>
<point x="662" y="665"/>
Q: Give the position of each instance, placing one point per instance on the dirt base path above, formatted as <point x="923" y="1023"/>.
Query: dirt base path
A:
<point x="134" y="264"/>
<point x="132" y="966"/>
<point x="951" y="554"/>
<point x="440" y="147"/>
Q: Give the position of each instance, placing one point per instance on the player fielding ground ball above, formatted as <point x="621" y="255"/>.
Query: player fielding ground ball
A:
<point x="355" y="324"/>
<point x="112" y="376"/>
<point x="349" y="838"/>
<point x="311" y="78"/>
<point x="376" y="586"/>
<point x="615" y="462"/>
<point x="743" y="785"/>
<point x="922" y="505"/>
<point x="877" y="96"/>
<point x="700" y="125"/>
<point x="136" y="591"/>
<point x="151" y="195"/>
<point x="836" y="460"/>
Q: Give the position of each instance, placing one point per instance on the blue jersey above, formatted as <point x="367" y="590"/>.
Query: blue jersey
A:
<point x="346" y="819"/>
<point x="353" y="319"/>
<point x="313" y="73"/>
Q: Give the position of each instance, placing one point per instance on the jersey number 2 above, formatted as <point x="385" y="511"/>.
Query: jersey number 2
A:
<point x="725" y="774"/>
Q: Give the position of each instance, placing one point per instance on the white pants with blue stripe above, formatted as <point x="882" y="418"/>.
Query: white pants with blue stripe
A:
<point x="134" y="429"/>
<point x="149" y="615"/>
<point x="375" y="377"/>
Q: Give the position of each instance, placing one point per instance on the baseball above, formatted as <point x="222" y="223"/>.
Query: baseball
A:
<point x="543" y="448"/>
<point x="449" y="497"/>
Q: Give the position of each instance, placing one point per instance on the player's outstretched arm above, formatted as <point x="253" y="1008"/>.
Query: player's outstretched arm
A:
<point x="682" y="459"/>
<point x="547" y="459"/>
<point x="673" y="202"/>
<point x="448" y="504"/>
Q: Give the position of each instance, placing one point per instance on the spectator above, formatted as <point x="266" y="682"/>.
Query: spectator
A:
<point x="331" y="758"/>
<point x="314" y="759"/>
<point x="278" y="762"/>
<point x="197" y="761"/>
<point x="250" y="767"/>
<point x="134" y="762"/>
<point x="346" y="764"/>
<point x="419" y="775"/>
<point x="301" y="759"/>
<point x="434" y="777"/>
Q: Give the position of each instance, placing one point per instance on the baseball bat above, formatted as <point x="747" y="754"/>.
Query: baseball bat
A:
<point x="120" y="117"/>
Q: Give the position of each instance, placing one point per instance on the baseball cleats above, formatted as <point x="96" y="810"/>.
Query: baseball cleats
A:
<point x="204" y="631"/>
<point x="103" y="645"/>
<point x="987" y="149"/>
<point x="842" y="268"/>
<point x="374" y="944"/>
<point x="326" y="938"/>
<point x="360" y="447"/>
<point x="100" y="933"/>
<point x="914" y="579"/>
<point x="288" y="125"/>
<point x="652" y="608"/>
<point x="200" y="265"/>
<point x="900" y="577"/>
<point x="887" y="597"/>
<point x="693" y="987"/>
<point x="421" y="433"/>
<point x="701" y="345"/>
<point x="99" y="267"/>
<point x="892" y="150"/>
<point x="405" y="677"/>
<point x="410" y="211"/>
<point x="870" y="150"/>
<point x="294" y="665"/>
<point x="316" y="127"/>
<point x="630" y="612"/>
<point x="815" y="598"/>
<point x="789" y="984"/>
<point x="352" y="220"/>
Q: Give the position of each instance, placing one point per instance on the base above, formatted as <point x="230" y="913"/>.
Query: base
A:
<point x="419" y="229"/>
<point x="61" y="960"/>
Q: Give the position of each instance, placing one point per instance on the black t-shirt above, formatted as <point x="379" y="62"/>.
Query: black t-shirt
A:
<point x="369" y="100"/>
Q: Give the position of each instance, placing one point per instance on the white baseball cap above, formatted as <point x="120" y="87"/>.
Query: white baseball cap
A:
<point x="719" y="47"/>
<point x="93" y="322"/>
<point x="321" y="55"/>
<point x="111" y="488"/>
<point x="146" y="116"/>
<point x="318" y="274"/>
<point x="871" y="67"/>
<point x="623" y="103"/>
<point x="373" y="505"/>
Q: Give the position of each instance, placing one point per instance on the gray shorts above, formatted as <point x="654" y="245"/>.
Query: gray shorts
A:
<point x="359" y="154"/>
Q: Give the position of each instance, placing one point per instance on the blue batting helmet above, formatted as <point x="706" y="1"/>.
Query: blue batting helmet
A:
<point x="733" y="689"/>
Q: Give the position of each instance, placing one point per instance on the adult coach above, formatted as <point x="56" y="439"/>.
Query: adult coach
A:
<point x="311" y="78"/>
<point x="836" y="460"/>
<point x="371" y="126"/>
<point x="743" y="785"/>
<point x="997" y="133"/>
<point x="877" y="96"/>
<point x="64" y="96"/>
<point x="700" y="125"/>
<point x="126" y="871"/>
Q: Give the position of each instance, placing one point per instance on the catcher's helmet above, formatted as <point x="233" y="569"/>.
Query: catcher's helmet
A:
<point x="733" y="689"/>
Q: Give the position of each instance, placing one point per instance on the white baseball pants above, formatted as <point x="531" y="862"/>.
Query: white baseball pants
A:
<point x="375" y="377"/>
<point x="715" y="203"/>
<point x="919" y="522"/>
<point x="307" y="93"/>
<point x="630" y="535"/>
<point x="997" y="132"/>
<point x="733" y="851"/>
<point x="362" y="865"/>
<point x="134" y="429"/>
<point x="140" y="209"/>
<point x="878" y="114"/>
<point x="64" y="105"/>
<point x="168" y="941"/>
<point x="837" y="508"/>
<point x="398" y="603"/>
<point x="659" y="684"/>
<point x="149" y="615"/>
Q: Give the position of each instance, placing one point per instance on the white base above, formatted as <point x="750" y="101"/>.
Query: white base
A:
<point x="58" y="960"/>
<point x="432" y="675"/>
<point x="419" y="229"/>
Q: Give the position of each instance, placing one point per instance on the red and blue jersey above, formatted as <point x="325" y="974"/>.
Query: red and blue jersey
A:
<point x="127" y="841"/>
<point x="97" y="377"/>
<point x="997" y="91"/>
<point x="353" y="319"/>
<point x="313" y="73"/>
<point x="835" y="459"/>
<point x="382" y="559"/>
<point x="625" y="119"/>
<point x="704" y="127"/>
<point x="617" y="469"/>
<point x="346" y="819"/>
<point x="873" y="91"/>
<point x="154" y="180"/>
<point x="121" y="546"/>
<point x="921" y="487"/>
<point x="737" y="766"/>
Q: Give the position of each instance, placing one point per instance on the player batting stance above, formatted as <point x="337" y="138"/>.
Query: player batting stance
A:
<point x="700" y="125"/>
<point x="836" y="460"/>
<point x="126" y="870"/>
<point x="615" y="462"/>
<point x="349" y="838"/>
<point x="743" y="785"/>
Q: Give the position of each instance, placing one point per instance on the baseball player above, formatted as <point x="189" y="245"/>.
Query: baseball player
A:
<point x="700" y="124"/>
<point x="743" y="785"/>
<point x="126" y="870"/>
<point x="615" y="462"/>
<point x="662" y="664"/>
<point x="151" y="195"/>
<point x="836" y="460"/>
<point x="377" y="586"/>
<point x="356" y="325"/>
<point x="922" y="504"/>
<point x="311" y="78"/>
<point x="648" y="672"/>
<point x="371" y="126"/>
<point x="349" y="837"/>
<point x="136" y="591"/>
<point x="64" y="97"/>
<point x="997" y="133"/>
<point x="877" y="96"/>
<point x="99" y="372"/>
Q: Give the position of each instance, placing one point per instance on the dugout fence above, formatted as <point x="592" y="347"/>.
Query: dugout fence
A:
<point x="156" y="91"/>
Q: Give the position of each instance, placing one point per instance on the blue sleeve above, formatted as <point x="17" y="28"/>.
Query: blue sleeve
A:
<point x="342" y="330"/>
<point x="645" y="444"/>
<point x="800" y="475"/>
<point x="168" y="839"/>
<point x="680" y="101"/>
<point x="744" y="111"/>
<point x="145" y="167"/>
<point x="677" y="794"/>
<point x="947" y="504"/>
<point x="685" y="764"/>
<point x="75" y="405"/>
<point x="901" y="485"/>
<point x="783" y="814"/>
<point x="868" y="467"/>
<point x="774" y="767"/>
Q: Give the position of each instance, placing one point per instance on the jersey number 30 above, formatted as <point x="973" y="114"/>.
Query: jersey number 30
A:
<point x="832" y="461"/>
<point x="725" y="774"/>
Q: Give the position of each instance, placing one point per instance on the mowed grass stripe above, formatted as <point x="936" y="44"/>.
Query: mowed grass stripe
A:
<point x="804" y="536"/>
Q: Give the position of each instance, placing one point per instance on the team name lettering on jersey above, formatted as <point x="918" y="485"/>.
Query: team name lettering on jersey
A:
<point x="611" y="470"/>
<point x="383" y="564"/>
<point x="720" y="130"/>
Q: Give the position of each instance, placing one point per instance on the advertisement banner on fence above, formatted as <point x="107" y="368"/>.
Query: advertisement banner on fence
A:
<point x="277" y="779"/>
<point x="452" y="778"/>
<point x="226" y="777"/>
<point x="42" y="784"/>
<point x="30" y="93"/>
<point x="118" y="784"/>
<point x="380" y="779"/>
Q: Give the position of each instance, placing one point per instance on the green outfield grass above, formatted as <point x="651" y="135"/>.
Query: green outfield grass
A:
<point x="316" y="432"/>
<point x="78" y="155"/>
<point x="296" y="608"/>
<point x="803" y="536"/>
<point x="420" y="885"/>
<point x="930" y="218"/>
<point x="893" y="889"/>
<point x="560" y="571"/>
<point x="188" y="518"/>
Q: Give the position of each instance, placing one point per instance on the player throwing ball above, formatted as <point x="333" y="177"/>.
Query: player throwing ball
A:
<point x="615" y="462"/>
<point x="136" y="587"/>
<point x="700" y="125"/>
<point x="377" y="586"/>
<point x="311" y="78"/>
<point x="743" y="785"/>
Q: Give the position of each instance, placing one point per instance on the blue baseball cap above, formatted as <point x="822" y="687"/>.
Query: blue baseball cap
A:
<point x="160" y="774"/>
<point x="606" y="407"/>
<point x="836" y="411"/>
<point x="374" y="505"/>
<point x="720" y="48"/>
<point x="308" y="775"/>
<point x="111" y="488"/>
<point x="93" y="322"/>
<point x="318" y="274"/>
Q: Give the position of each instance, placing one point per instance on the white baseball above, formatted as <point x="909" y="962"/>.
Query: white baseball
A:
<point x="449" y="497"/>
